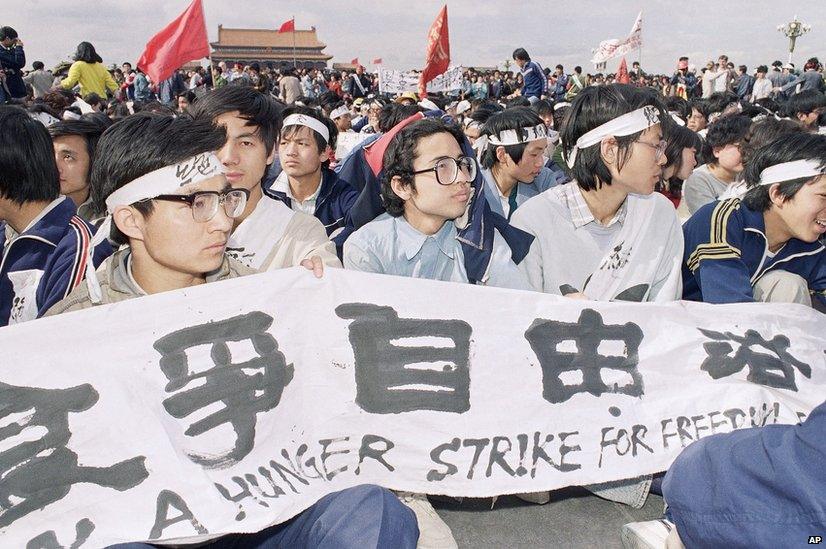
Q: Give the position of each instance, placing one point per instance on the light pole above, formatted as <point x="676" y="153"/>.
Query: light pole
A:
<point x="793" y="30"/>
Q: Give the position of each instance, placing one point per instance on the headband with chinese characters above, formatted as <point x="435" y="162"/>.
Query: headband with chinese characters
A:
<point x="341" y="111"/>
<point x="166" y="180"/>
<point x="632" y="122"/>
<point x="309" y="122"/>
<point x="788" y="171"/>
<point x="506" y="138"/>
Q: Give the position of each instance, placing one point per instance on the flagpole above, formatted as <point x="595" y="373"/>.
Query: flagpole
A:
<point x="294" y="62"/>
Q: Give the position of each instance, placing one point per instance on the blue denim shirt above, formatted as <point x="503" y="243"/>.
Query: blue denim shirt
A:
<point x="390" y="245"/>
<point x="541" y="183"/>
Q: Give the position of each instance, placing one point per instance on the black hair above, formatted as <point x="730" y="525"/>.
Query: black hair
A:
<point x="7" y="32"/>
<point x="257" y="108"/>
<point x="401" y="153"/>
<point x="28" y="172"/>
<point x="560" y="67"/>
<point x="88" y="128"/>
<point x="678" y="105"/>
<point x="509" y="119"/>
<point x="718" y="101"/>
<point x="762" y="68"/>
<point x="86" y="52"/>
<point x="37" y="65"/>
<point x="743" y="68"/>
<point x="319" y="140"/>
<point x="521" y="54"/>
<point x="805" y="102"/>
<point x="701" y="106"/>
<point x="769" y="104"/>
<point x="725" y="131"/>
<point x="679" y="138"/>
<point x="189" y="95"/>
<point x="518" y="101"/>
<point x="543" y="106"/>
<point x="143" y="143"/>
<point x="393" y="113"/>
<point x="593" y="107"/>
<point x="92" y="99"/>
<point x="788" y="148"/>
<point x="764" y="132"/>
<point x="578" y="69"/>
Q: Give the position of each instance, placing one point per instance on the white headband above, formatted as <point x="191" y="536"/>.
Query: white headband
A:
<point x="632" y="122"/>
<point x="676" y="118"/>
<point x="341" y="111"/>
<point x="788" y="171"/>
<point x="561" y="105"/>
<point x="166" y="180"/>
<point x="309" y="122"/>
<point x="511" y="137"/>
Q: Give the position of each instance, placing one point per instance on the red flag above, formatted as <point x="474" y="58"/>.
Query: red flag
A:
<point x="287" y="26"/>
<point x="622" y="73"/>
<point x="354" y="61"/>
<point x="438" y="51"/>
<point x="184" y="39"/>
<point x="377" y="61"/>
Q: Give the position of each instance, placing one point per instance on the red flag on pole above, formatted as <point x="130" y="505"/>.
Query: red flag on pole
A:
<point x="354" y="61"/>
<point x="377" y="61"/>
<point x="287" y="26"/>
<point x="622" y="73"/>
<point x="184" y="39"/>
<point x="438" y="51"/>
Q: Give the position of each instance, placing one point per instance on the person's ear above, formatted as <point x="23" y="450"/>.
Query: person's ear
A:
<point x="501" y="155"/>
<point x="608" y="149"/>
<point x="776" y="196"/>
<point x="402" y="189"/>
<point x="130" y="222"/>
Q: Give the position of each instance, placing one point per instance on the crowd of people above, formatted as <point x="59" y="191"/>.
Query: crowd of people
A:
<point x="705" y="187"/>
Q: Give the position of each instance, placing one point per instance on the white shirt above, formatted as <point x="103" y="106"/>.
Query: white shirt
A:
<point x="282" y="184"/>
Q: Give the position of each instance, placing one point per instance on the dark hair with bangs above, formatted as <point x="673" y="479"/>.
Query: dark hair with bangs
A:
<point x="509" y="119"/>
<point x="28" y="172"/>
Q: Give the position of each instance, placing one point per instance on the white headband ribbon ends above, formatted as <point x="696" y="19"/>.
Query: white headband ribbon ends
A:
<point x="632" y="122"/>
<point x="788" y="171"/>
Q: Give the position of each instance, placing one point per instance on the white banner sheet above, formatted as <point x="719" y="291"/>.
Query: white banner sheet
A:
<point x="392" y="82"/>
<point x="232" y="406"/>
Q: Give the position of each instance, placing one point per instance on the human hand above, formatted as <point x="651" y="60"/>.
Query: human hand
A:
<point x="314" y="264"/>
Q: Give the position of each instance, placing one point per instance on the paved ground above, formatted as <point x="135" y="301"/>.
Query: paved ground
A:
<point x="573" y="519"/>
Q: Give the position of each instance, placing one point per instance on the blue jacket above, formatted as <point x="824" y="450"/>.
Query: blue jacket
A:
<point x="759" y="487"/>
<point x="12" y="61"/>
<point x="335" y="198"/>
<point x="45" y="263"/>
<point x="535" y="81"/>
<point x="725" y="245"/>
<point x="521" y="192"/>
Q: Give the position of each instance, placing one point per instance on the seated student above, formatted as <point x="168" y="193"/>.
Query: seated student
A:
<point x="722" y="148"/>
<point x="699" y="111"/>
<point x="681" y="158"/>
<point x="74" y="151"/>
<point x="426" y="190"/>
<point x="268" y="235"/>
<point x="805" y="107"/>
<point x="172" y="208"/>
<point x="607" y="235"/>
<point x="764" y="247"/>
<point x="44" y="246"/>
<point x="307" y="184"/>
<point x="511" y="150"/>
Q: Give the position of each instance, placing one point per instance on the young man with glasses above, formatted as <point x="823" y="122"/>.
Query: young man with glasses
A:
<point x="169" y="201"/>
<point x="426" y="191"/>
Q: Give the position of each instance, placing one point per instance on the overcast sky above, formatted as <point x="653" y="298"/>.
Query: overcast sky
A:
<point x="482" y="32"/>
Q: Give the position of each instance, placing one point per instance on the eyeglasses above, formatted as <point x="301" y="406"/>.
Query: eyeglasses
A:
<point x="659" y="148"/>
<point x="204" y="204"/>
<point x="447" y="169"/>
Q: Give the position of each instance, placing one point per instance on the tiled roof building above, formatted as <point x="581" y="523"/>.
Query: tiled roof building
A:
<point x="269" y="48"/>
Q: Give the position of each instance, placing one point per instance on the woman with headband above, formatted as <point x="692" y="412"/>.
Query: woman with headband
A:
<point x="765" y="246"/>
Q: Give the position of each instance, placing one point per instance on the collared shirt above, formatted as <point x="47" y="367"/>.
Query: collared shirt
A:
<point x="581" y="215"/>
<point x="390" y="245"/>
<point x="282" y="184"/>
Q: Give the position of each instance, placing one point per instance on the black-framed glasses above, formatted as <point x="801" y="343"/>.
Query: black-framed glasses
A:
<point x="447" y="169"/>
<point x="204" y="204"/>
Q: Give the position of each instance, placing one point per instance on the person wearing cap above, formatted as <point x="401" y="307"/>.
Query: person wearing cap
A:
<point x="307" y="183"/>
<point x="511" y="151"/>
<point x="811" y="79"/>
<point x="172" y="210"/>
<point x="44" y="246"/>
<point x="534" y="81"/>
<point x="765" y="246"/>
<point x="407" y="98"/>
<point x="268" y="234"/>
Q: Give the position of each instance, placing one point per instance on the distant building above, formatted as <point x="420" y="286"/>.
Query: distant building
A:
<point x="270" y="48"/>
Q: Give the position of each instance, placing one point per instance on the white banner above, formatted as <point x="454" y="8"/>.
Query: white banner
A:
<point x="347" y="141"/>
<point x="609" y="49"/>
<point x="392" y="82"/>
<point x="232" y="406"/>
